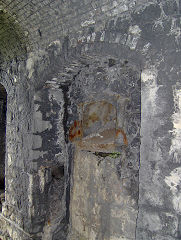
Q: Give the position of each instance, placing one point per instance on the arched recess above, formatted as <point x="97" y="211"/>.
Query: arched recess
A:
<point x="102" y="78"/>
<point x="3" y="107"/>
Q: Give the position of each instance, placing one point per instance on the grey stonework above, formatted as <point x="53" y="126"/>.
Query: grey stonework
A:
<point x="2" y="134"/>
<point x="125" y="56"/>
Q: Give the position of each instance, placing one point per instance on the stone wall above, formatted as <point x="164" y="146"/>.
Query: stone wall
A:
<point x="2" y="134"/>
<point x="104" y="196"/>
<point x="18" y="146"/>
<point x="94" y="52"/>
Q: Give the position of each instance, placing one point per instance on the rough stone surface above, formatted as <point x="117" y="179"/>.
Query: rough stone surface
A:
<point x="3" y="100"/>
<point x="105" y="190"/>
<point x="77" y="53"/>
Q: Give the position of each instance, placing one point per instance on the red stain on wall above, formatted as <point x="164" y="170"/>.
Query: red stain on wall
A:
<point x="123" y="134"/>
<point x="75" y="131"/>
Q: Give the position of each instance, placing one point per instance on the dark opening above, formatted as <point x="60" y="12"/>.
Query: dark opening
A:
<point x="3" y="104"/>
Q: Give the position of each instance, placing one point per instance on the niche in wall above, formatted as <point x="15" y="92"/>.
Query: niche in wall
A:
<point x="3" y="103"/>
<point x="104" y="120"/>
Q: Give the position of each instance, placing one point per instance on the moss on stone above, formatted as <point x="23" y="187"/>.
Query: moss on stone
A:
<point x="115" y="154"/>
<point x="112" y="155"/>
<point x="13" y="41"/>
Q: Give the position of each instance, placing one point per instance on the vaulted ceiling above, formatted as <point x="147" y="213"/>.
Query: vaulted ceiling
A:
<point x="34" y="24"/>
<point x="28" y="25"/>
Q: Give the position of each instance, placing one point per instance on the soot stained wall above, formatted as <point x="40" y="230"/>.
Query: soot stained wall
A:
<point x="107" y="156"/>
<point x="97" y="56"/>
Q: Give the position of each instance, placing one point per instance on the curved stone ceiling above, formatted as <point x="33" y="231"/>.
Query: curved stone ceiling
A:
<point x="12" y="39"/>
<point x="44" y="21"/>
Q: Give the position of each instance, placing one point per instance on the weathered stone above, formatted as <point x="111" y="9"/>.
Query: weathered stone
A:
<point x="113" y="68"/>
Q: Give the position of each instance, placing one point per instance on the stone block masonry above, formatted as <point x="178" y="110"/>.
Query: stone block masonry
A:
<point x="111" y="70"/>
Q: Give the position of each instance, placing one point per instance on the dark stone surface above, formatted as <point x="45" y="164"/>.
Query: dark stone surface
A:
<point x="83" y="51"/>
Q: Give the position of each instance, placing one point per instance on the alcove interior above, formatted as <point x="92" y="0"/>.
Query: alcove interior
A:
<point x="3" y="108"/>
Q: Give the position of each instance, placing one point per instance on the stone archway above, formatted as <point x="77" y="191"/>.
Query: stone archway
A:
<point x="106" y="136"/>
<point x="3" y="104"/>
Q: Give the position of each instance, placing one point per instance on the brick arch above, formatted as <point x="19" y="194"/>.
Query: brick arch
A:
<point x="45" y="21"/>
<point x="7" y="79"/>
<point x="62" y="61"/>
<point x="13" y="39"/>
<point x="65" y="64"/>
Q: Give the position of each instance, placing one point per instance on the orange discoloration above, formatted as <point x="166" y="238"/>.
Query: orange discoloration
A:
<point x="118" y="132"/>
<point x="93" y="117"/>
<point x="75" y="131"/>
<point x="75" y="124"/>
<point x="108" y="112"/>
<point x="124" y="136"/>
<point x="49" y="223"/>
<point x="98" y="111"/>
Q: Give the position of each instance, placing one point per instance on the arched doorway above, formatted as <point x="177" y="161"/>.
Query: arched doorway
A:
<point x="3" y="104"/>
